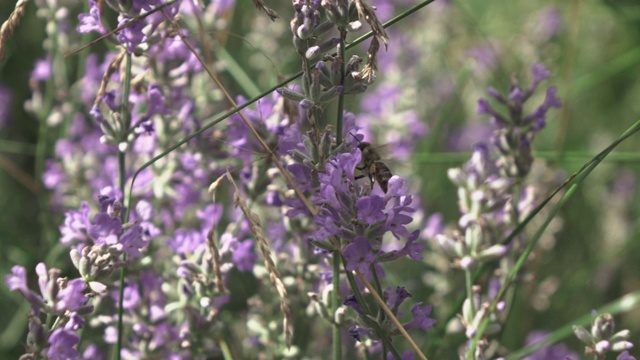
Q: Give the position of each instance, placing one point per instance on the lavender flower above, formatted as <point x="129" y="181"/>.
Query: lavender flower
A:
<point x="516" y="131"/>
<point x="603" y="337"/>
<point x="420" y="318"/>
<point x="62" y="343"/>
<point x="359" y="256"/>
<point x="556" y="351"/>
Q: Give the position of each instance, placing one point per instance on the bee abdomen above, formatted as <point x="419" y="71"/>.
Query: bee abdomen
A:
<point x="382" y="174"/>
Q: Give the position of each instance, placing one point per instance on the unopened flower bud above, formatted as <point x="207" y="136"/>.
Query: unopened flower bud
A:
<point x="583" y="335"/>
<point x="603" y="326"/>
<point x="290" y="94"/>
<point x="621" y="346"/>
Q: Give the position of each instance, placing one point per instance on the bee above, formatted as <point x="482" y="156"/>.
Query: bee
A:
<point x="373" y="166"/>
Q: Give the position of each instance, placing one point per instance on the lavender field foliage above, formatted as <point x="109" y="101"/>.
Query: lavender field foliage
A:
<point x="319" y="179"/>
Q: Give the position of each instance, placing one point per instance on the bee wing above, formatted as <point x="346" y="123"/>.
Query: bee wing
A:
<point x="384" y="150"/>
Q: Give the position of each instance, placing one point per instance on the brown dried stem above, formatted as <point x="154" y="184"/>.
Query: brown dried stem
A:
<point x="113" y="67"/>
<point x="11" y="24"/>
<point x="265" y="249"/>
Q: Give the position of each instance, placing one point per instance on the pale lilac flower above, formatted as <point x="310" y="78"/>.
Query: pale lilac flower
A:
<point x="548" y="352"/>
<point x="358" y="332"/>
<point x="132" y="241"/>
<point x="62" y="343"/>
<point x="91" y="21"/>
<point x="105" y="229"/>
<point x="42" y="70"/>
<point x="625" y="356"/>
<point x="370" y="209"/>
<point x="359" y="256"/>
<point x="132" y="35"/>
<point x="76" y="225"/>
<point x="420" y="319"/>
<point x="72" y="296"/>
<point x="244" y="257"/>
<point x="549" y="23"/>
<point x="397" y="297"/>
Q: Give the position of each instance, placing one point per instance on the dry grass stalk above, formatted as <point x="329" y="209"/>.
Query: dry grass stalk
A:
<point x="215" y="254"/>
<point x="11" y="24"/>
<point x="368" y="13"/>
<point x="265" y="249"/>
<point x="312" y="209"/>
<point x="260" y="5"/>
<point x="113" y="67"/>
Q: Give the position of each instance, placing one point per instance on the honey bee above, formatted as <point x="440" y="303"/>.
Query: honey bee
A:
<point x="373" y="166"/>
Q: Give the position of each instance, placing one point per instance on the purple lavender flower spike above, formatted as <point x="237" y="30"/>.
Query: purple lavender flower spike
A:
<point x="91" y="21"/>
<point x="244" y="257"/>
<point x="370" y="209"/>
<point x="397" y="297"/>
<point x="358" y="332"/>
<point x="62" y="343"/>
<point x="352" y="302"/>
<point x="76" y="225"/>
<point x="359" y="256"/>
<point x="420" y="319"/>
<point x="72" y="296"/>
<point x="548" y="352"/>
<point x="132" y="241"/>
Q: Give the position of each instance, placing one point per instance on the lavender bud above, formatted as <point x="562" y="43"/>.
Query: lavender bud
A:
<point x="299" y="156"/>
<point x="451" y="247"/>
<point x="75" y="257"/>
<point x="36" y="334"/>
<point x="583" y="335"/>
<point x="97" y="287"/>
<point x="306" y="104"/>
<point x="331" y="94"/>
<point x="84" y="267"/>
<point x="492" y="253"/>
<point x="336" y="71"/>
<point x="315" y="90"/>
<point x="466" y="263"/>
<point x="621" y="346"/>
<point x="295" y="23"/>
<point x="620" y="335"/>
<point x="290" y="94"/>
<point x="325" y="74"/>
<point x="602" y="346"/>
<point x="317" y="50"/>
<point x="494" y="93"/>
<point x="300" y="45"/>
<point x="322" y="28"/>
<point x="357" y="89"/>
<point x="302" y="32"/>
<point x="326" y="142"/>
<point x="474" y="237"/>
<point x="603" y="326"/>
<point x="353" y="64"/>
<point x="334" y="13"/>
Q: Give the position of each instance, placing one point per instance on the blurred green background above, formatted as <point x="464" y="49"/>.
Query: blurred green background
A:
<point x="593" y="258"/>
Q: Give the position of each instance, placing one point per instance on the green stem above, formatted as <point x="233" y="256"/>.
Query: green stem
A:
<point x="341" y="55"/>
<point x="335" y="298"/>
<point x="42" y="145"/>
<point x="574" y="181"/>
<point x="368" y="314"/>
<point x="468" y="279"/>
<point x="124" y="133"/>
